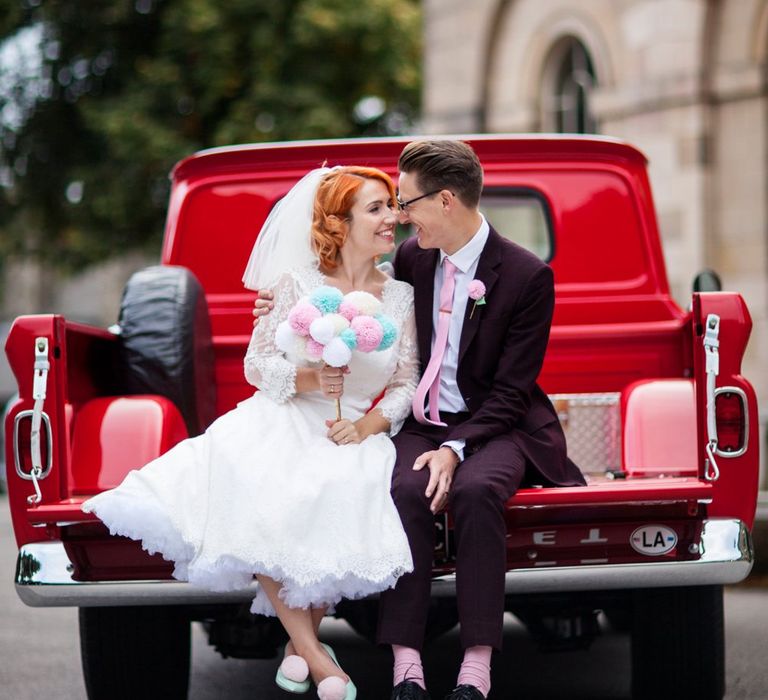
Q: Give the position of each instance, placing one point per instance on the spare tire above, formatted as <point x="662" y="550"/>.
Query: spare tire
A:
<point x="165" y="342"/>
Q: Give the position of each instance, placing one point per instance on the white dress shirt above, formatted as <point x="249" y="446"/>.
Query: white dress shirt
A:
<point x="465" y="259"/>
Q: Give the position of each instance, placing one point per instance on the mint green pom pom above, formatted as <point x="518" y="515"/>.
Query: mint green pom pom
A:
<point x="390" y="332"/>
<point x="349" y="337"/>
<point x="326" y="298"/>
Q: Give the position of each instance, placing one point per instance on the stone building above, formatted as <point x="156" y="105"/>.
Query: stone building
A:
<point x="684" y="80"/>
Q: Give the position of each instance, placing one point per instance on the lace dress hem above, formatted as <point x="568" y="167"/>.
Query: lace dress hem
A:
<point x="303" y="585"/>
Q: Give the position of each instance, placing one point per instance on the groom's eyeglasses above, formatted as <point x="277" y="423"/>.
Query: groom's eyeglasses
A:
<point x="404" y="205"/>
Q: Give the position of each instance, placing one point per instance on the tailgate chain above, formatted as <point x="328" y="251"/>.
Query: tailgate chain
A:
<point x="42" y="365"/>
<point x="711" y="345"/>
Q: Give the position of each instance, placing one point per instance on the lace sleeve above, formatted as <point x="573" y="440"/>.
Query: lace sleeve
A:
<point x="265" y="365"/>
<point x="395" y="405"/>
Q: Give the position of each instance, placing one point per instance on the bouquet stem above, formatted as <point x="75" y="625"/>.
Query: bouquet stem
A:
<point x="338" y="409"/>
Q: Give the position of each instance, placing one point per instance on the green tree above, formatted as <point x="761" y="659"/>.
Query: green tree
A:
<point x="113" y="92"/>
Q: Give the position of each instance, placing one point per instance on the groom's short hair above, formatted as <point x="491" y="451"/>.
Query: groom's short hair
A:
<point x="443" y="164"/>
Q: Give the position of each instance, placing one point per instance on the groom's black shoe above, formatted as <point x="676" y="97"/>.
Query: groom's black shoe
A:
<point x="408" y="690"/>
<point x="465" y="692"/>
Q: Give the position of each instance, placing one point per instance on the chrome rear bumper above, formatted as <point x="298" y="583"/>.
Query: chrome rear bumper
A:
<point x="43" y="576"/>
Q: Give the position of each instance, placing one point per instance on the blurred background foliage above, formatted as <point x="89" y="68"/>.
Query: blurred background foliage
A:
<point x="99" y="99"/>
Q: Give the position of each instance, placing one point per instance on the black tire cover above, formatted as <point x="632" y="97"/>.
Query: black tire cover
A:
<point x="166" y="346"/>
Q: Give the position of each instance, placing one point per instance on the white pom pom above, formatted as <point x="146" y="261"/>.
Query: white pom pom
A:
<point x="338" y="321"/>
<point x="336" y="353"/>
<point x="366" y="303"/>
<point x="322" y="330"/>
<point x="285" y="338"/>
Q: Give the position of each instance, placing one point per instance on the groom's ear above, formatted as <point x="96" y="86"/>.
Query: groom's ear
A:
<point x="448" y="199"/>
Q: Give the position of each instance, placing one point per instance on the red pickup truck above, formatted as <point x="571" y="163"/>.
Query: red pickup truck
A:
<point x="651" y="396"/>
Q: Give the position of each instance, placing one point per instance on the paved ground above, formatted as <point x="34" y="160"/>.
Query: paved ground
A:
<point x="39" y="655"/>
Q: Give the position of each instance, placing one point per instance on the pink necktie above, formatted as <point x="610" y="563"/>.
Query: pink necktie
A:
<point x="430" y="381"/>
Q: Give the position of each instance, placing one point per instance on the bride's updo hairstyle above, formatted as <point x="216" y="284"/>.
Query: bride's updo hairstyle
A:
<point x="333" y="203"/>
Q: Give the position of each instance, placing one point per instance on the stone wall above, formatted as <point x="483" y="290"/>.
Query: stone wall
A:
<point x="684" y="80"/>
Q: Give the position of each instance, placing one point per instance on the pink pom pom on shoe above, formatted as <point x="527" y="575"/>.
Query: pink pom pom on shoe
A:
<point x="295" y="668"/>
<point x="332" y="688"/>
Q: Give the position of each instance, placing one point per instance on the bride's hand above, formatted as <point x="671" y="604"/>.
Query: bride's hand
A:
<point x="343" y="432"/>
<point x="332" y="381"/>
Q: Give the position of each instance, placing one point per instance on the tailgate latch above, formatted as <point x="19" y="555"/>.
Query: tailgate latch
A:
<point x="712" y="368"/>
<point x="39" y="387"/>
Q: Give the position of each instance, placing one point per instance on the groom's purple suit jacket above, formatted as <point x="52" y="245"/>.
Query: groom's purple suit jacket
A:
<point x="500" y="353"/>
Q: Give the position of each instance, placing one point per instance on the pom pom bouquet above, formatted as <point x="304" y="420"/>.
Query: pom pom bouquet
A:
<point x="328" y="326"/>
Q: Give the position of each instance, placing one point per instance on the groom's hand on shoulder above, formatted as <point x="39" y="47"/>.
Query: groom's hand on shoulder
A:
<point x="442" y="464"/>
<point x="263" y="305"/>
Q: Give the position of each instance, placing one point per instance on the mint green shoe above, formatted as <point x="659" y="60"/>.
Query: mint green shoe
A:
<point x="287" y="684"/>
<point x="351" y="693"/>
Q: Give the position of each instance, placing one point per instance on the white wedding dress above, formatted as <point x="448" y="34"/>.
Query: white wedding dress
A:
<point x="264" y="490"/>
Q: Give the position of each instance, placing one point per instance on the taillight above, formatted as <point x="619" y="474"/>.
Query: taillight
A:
<point x="731" y="418"/>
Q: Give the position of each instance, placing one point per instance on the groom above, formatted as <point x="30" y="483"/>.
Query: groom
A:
<point x="480" y="423"/>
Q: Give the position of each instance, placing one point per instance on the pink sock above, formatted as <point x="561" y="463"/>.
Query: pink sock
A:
<point x="407" y="666"/>
<point x="476" y="669"/>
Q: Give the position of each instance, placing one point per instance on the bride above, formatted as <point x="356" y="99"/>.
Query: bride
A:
<point x="278" y="488"/>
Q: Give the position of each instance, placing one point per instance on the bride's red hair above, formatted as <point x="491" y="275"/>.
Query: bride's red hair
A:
<point x="333" y="202"/>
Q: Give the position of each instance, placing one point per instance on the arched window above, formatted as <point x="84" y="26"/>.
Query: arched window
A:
<point x="569" y="82"/>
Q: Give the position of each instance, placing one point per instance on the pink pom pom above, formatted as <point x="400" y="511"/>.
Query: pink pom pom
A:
<point x="301" y="316"/>
<point x="332" y="688"/>
<point x="476" y="289"/>
<point x="314" y="349"/>
<point x="348" y="310"/>
<point x="369" y="333"/>
<point x="295" y="668"/>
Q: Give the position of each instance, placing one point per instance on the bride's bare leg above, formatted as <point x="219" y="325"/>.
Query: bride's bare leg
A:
<point x="317" y="615"/>
<point x="300" y="625"/>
